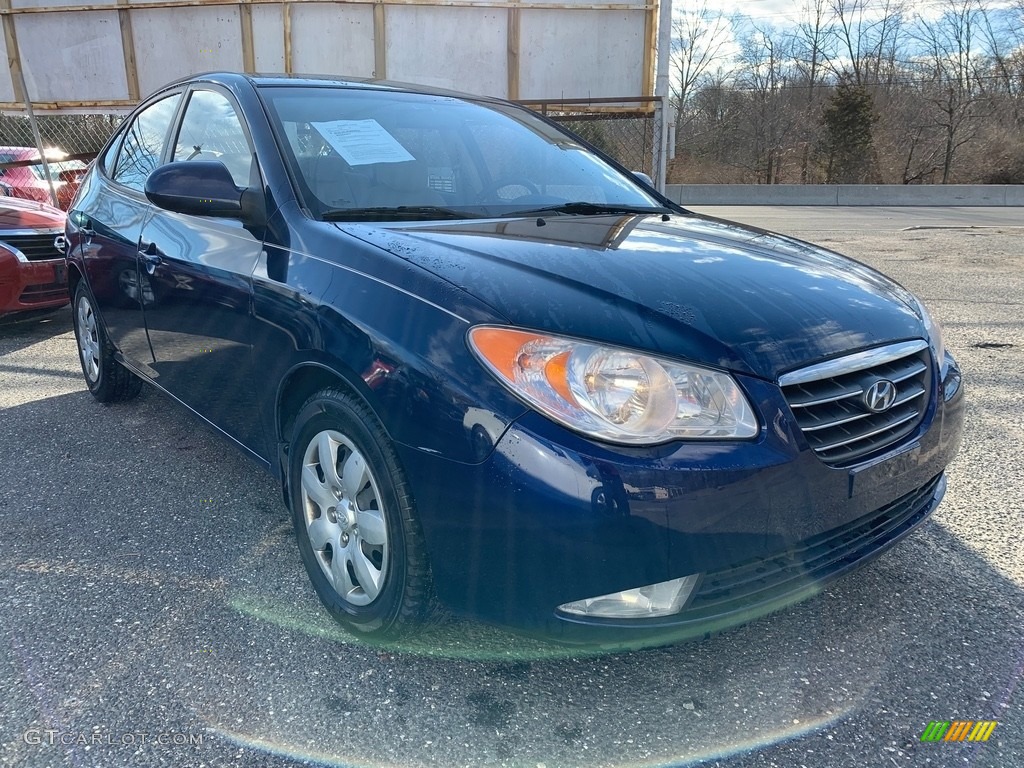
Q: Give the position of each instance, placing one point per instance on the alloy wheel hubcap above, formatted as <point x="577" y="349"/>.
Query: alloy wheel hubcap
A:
<point x="344" y="517"/>
<point x="88" y="339"/>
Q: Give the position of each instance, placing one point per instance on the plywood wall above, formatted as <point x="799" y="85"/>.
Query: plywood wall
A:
<point x="111" y="53"/>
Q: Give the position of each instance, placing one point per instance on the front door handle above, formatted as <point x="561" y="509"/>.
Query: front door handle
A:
<point x="84" y="224"/>
<point x="151" y="258"/>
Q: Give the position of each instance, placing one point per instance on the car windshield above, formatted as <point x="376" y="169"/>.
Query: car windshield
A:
<point x="374" y="154"/>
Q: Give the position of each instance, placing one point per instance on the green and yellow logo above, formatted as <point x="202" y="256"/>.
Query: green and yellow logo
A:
<point x="958" y="730"/>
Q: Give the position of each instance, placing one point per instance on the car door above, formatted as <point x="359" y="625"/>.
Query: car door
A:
<point x="108" y="218"/>
<point x="199" y="269"/>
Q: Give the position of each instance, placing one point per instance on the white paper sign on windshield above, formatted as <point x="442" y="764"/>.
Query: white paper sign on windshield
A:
<point x="362" y="142"/>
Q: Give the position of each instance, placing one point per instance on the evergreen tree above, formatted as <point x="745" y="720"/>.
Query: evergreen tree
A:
<point x="848" y="118"/>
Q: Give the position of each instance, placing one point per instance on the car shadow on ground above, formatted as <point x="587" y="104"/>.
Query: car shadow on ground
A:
<point x="18" y="332"/>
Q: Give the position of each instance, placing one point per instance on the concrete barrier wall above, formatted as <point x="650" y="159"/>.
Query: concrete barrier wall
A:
<point x="994" y="195"/>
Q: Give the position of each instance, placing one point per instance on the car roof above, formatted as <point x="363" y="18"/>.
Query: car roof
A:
<point x="265" y="80"/>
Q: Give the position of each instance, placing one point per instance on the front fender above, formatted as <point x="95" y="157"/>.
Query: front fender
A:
<point x="416" y="372"/>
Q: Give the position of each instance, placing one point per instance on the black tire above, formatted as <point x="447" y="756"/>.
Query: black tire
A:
<point x="403" y="598"/>
<point x="107" y="379"/>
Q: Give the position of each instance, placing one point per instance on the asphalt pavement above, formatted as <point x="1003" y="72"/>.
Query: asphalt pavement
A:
<point x="154" y="611"/>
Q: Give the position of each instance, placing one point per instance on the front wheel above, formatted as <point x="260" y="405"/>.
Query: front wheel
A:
<point x="354" y="520"/>
<point x="107" y="379"/>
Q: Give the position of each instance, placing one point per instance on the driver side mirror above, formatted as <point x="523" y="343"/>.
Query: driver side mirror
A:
<point x="195" y="187"/>
<point x="644" y="178"/>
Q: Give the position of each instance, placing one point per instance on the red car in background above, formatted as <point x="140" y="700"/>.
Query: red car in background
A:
<point x="32" y="270"/>
<point x="28" y="180"/>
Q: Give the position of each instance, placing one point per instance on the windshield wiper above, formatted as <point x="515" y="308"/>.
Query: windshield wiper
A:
<point x="396" y="213"/>
<point x="584" y="208"/>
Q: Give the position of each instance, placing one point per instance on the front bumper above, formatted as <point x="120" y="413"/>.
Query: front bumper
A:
<point x="32" y="285"/>
<point x="761" y="585"/>
<point x="551" y="517"/>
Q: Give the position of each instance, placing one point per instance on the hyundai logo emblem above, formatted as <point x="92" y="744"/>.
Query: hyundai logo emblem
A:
<point x="880" y="396"/>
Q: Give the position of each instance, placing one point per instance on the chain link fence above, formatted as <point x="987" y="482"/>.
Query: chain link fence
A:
<point x="75" y="135"/>
<point x="69" y="142"/>
<point x="622" y="128"/>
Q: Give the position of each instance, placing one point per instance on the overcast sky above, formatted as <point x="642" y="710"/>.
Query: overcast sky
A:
<point x="780" y="14"/>
<point x="786" y="12"/>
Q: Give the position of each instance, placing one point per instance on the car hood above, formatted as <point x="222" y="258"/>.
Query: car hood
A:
<point x="16" y="213"/>
<point x="699" y="288"/>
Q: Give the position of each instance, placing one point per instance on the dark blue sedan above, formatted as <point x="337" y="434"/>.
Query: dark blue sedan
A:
<point x="496" y="372"/>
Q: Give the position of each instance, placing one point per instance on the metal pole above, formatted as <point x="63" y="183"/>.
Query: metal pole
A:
<point x="38" y="138"/>
<point x="18" y="81"/>
<point x="661" y="90"/>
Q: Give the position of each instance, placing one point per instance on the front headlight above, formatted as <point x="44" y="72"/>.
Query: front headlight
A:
<point x="614" y="394"/>
<point x="934" y="331"/>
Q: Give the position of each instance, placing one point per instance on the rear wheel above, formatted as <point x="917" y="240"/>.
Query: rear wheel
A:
<point x="106" y="378"/>
<point x="354" y="519"/>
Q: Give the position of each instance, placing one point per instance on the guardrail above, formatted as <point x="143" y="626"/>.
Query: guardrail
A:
<point x="994" y="195"/>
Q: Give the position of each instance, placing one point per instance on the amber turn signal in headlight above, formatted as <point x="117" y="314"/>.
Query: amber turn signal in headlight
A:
<point x="614" y="394"/>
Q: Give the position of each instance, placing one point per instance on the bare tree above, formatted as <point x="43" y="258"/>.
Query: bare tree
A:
<point x="868" y="37"/>
<point x="951" y="46"/>
<point x="1002" y="50"/>
<point x="764" y="75"/>
<point x="811" y="49"/>
<point x="811" y="53"/>
<point x="715" y="134"/>
<point x="700" y="37"/>
<point x="946" y="90"/>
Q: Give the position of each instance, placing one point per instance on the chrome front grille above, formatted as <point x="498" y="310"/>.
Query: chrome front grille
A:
<point x="34" y="247"/>
<point x="833" y="406"/>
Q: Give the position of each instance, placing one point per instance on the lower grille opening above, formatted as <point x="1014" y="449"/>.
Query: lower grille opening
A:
<point x="37" y="294"/>
<point x="761" y="580"/>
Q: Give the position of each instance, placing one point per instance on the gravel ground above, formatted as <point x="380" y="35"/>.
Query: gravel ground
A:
<point x="154" y="612"/>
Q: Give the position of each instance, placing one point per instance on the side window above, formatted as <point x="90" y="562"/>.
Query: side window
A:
<point x="143" y="143"/>
<point x="211" y="130"/>
<point x="106" y="162"/>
